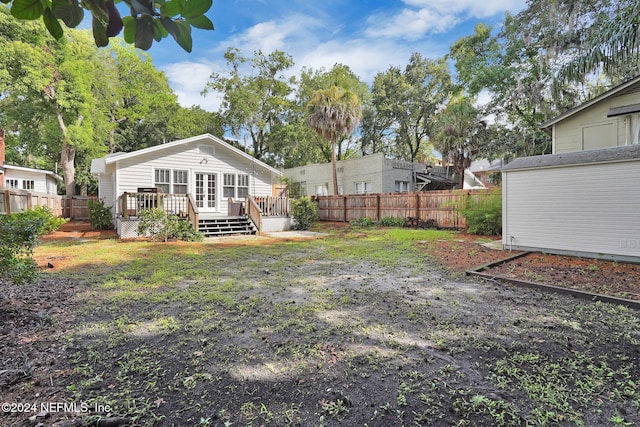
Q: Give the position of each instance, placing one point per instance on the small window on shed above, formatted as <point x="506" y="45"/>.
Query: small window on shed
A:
<point x="28" y="184"/>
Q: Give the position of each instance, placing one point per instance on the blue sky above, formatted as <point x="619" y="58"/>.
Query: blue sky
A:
<point x="368" y="36"/>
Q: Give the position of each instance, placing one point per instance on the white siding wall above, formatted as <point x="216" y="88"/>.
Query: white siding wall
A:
<point x="139" y="170"/>
<point x="39" y="179"/>
<point x="105" y="188"/>
<point x="587" y="209"/>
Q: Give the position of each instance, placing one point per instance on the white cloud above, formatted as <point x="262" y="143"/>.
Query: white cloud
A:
<point x="188" y="80"/>
<point x="422" y="17"/>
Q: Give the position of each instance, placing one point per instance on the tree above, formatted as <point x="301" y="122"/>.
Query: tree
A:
<point x="339" y="75"/>
<point x="334" y="114"/>
<point x="149" y="20"/>
<point x="610" y="43"/>
<point x="406" y="102"/>
<point x="255" y="101"/>
<point x="459" y="134"/>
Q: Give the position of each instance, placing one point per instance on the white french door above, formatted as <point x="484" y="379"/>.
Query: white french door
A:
<point x="206" y="191"/>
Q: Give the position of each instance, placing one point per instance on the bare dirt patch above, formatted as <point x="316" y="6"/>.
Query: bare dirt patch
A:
<point x="355" y="329"/>
<point x="465" y="251"/>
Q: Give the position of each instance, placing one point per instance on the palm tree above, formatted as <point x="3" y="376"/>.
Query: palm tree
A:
<point x="334" y="114"/>
<point x="458" y="139"/>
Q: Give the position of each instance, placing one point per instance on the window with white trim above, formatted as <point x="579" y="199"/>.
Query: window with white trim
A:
<point x="28" y="184"/>
<point x="12" y="183"/>
<point x="402" y="186"/>
<point x="163" y="180"/>
<point x="180" y="182"/>
<point x="243" y="185"/>
<point x="363" y="187"/>
<point x="229" y="185"/>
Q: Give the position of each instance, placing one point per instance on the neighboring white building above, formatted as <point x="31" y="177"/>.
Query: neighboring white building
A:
<point x="204" y="166"/>
<point x="585" y="198"/>
<point x="361" y="175"/>
<point x="33" y="180"/>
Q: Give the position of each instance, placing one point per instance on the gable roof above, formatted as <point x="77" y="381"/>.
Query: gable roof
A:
<point x="630" y="86"/>
<point x="32" y="170"/>
<point x="112" y="158"/>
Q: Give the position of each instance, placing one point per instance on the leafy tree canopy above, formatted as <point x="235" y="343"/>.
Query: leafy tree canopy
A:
<point x="148" y="21"/>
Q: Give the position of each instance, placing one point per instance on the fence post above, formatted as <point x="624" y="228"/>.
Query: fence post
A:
<point x="344" y="214"/>
<point x="7" y="201"/>
<point x="417" y="215"/>
<point x="378" y="207"/>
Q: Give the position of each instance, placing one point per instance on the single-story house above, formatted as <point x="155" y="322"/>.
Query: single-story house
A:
<point x="368" y="174"/>
<point x="584" y="199"/>
<point x="202" y="174"/>
<point x="30" y="179"/>
<point x="23" y="178"/>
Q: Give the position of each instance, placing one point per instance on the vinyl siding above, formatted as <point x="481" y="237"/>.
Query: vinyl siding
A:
<point x="39" y="180"/>
<point x="568" y="133"/>
<point x="138" y="171"/>
<point x="585" y="209"/>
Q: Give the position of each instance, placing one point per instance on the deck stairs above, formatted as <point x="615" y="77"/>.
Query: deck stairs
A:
<point x="212" y="227"/>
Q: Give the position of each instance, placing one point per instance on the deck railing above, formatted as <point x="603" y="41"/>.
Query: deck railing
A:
<point x="131" y="204"/>
<point x="274" y="206"/>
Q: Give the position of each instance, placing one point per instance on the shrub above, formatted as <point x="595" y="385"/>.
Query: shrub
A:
<point x="365" y="221"/>
<point x="484" y="213"/>
<point x="389" y="221"/>
<point x="159" y="225"/>
<point x="18" y="236"/>
<point x="43" y="216"/>
<point x="305" y="212"/>
<point x="99" y="215"/>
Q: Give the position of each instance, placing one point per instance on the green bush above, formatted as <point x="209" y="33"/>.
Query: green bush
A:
<point x="99" y="215"/>
<point x="365" y="221"/>
<point x="43" y="216"/>
<point x="389" y="221"/>
<point x="305" y="212"/>
<point x="484" y="213"/>
<point x="18" y="237"/>
<point x="161" y="226"/>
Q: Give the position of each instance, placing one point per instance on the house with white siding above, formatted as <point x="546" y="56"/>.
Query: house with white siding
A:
<point x="201" y="178"/>
<point x="30" y="179"/>
<point x="584" y="199"/>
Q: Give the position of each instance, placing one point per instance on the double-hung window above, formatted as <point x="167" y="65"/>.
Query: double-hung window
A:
<point x="28" y="184"/>
<point x="243" y="186"/>
<point x="12" y="183"/>
<point x="169" y="181"/>
<point x="163" y="180"/>
<point x="180" y="182"/>
<point x="229" y="185"/>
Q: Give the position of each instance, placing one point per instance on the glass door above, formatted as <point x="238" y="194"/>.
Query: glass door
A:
<point x="206" y="191"/>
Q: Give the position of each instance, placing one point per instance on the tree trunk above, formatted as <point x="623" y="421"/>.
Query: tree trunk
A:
<point x="67" y="155"/>
<point x="334" y="167"/>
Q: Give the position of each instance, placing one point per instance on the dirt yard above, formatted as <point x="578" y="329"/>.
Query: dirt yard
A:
<point x="363" y="327"/>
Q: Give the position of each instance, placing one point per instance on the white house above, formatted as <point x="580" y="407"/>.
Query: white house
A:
<point x="23" y="178"/>
<point x="584" y="199"/>
<point x="33" y="180"/>
<point x="210" y="171"/>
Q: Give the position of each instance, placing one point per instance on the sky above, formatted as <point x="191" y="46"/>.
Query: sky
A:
<point x="369" y="36"/>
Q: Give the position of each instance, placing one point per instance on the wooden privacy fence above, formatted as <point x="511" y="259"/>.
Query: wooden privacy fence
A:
<point x="75" y="207"/>
<point x="443" y="207"/>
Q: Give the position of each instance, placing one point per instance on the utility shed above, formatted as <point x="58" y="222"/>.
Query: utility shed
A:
<point x="582" y="203"/>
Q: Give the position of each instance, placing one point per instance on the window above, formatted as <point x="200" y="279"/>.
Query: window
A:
<point x="163" y="180"/>
<point x="322" y="190"/>
<point x="229" y="185"/>
<point x="206" y="149"/>
<point x="402" y="186"/>
<point x="12" y="183"/>
<point x="243" y="186"/>
<point x="28" y="184"/>
<point x="180" y="182"/>
<point x="363" y="187"/>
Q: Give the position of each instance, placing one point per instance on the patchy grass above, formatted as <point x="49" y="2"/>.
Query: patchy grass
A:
<point x="360" y="328"/>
